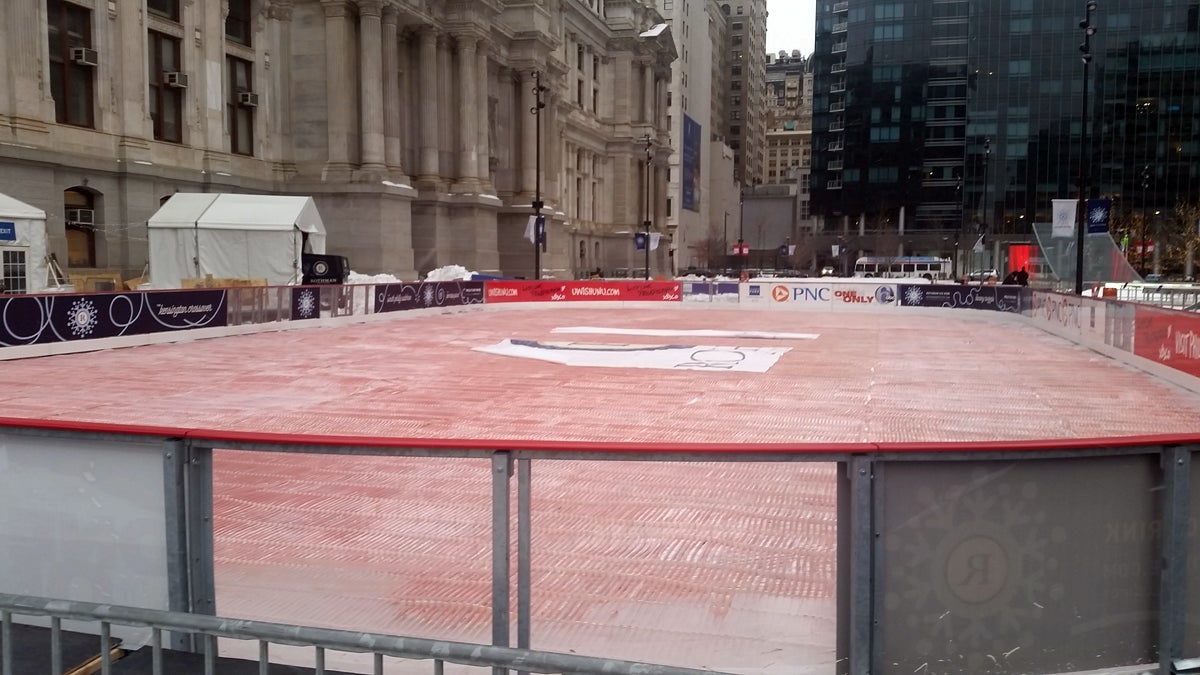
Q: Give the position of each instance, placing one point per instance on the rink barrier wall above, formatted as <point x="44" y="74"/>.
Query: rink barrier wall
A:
<point x="1163" y="342"/>
<point x="1072" y="554"/>
<point x="1108" y="523"/>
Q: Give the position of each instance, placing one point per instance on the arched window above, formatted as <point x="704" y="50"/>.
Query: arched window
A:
<point x="79" y="210"/>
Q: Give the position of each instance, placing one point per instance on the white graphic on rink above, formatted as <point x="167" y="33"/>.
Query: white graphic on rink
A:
<point x="661" y="357"/>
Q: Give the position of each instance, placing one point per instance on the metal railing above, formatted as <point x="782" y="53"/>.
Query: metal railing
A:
<point x="205" y="630"/>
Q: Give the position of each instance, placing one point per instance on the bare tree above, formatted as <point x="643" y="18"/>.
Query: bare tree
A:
<point x="1180" y="236"/>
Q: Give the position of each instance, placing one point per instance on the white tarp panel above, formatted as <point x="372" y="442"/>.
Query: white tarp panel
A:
<point x="232" y="236"/>
<point x="29" y="228"/>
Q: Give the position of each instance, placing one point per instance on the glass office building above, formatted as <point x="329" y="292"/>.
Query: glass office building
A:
<point x="968" y="112"/>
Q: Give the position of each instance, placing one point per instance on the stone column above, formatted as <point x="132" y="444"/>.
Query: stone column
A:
<point x="468" y="160"/>
<point x="648" y="93"/>
<point x="391" y="91"/>
<point x="528" y="132"/>
<point x="429" y="108"/>
<point x="337" y="87"/>
<point x="483" y="121"/>
<point x="370" y="53"/>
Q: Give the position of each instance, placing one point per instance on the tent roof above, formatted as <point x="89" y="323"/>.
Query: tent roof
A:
<point x="15" y="208"/>
<point x="239" y="212"/>
<point x="183" y="209"/>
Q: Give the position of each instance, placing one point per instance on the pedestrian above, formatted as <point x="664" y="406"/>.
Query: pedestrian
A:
<point x="1011" y="279"/>
<point x="1023" y="277"/>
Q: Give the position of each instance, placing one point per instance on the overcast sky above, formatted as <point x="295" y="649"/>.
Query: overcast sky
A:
<point x="790" y="25"/>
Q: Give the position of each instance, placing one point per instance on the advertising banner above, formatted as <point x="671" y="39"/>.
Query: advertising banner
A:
<point x="692" y="143"/>
<point x="1169" y="338"/>
<point x="43" y="319"/>
<point x="800" y="295"/>
<point x="575" y="291"/>
<point x="425" y="294"/>
<point x="1084" y="317"/>
<point x="996" y="298"/>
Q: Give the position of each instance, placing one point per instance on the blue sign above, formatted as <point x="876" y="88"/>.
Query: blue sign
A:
<point x="639" y="241"/>
<point x="692" y="141"/>
<point x="8" y="231"/>
<point x="1097" y="215"/>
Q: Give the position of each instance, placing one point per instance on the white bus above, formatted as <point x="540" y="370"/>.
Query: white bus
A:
<point x="897" y="267"/>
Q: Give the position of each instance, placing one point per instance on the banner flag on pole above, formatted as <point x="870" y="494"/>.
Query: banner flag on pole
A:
<point x="529" y="228"/>
<point x="978" y="248"/>
<point x="1064" y="217"/>
<point x="1097" y="215"/>
<point x="654" y="238"/>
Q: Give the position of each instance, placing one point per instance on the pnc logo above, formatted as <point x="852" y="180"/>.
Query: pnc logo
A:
<point x="780" y="294"/>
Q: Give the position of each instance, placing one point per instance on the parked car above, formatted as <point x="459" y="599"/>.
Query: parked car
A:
<point x="828" y="271"/>
<point x="982" y="275"/>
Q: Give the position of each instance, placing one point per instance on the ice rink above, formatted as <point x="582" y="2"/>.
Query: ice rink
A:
<point x="719" y="565"/>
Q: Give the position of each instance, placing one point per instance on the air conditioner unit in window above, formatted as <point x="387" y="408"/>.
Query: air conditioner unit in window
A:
<point x="179" y="80"/>
<point x="81" y="217"/>
<point x="248" y="99"/>
<point x="84" y="57"/>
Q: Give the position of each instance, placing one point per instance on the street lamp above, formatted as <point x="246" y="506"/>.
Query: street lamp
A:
<point x="741" y="229"/>
<point x="539" y="220"/>
<point x="958" y="193"/>
<point x="646" y="202"/>
<point x="1145" y="216"/>
<point x="987" y="163"/>
<point x="1081" y="225"/>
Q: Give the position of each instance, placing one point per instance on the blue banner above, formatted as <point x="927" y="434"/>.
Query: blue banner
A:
<point x="996" y="298"/>
<point x="692" y="142"/>
<point x="8" y="231"/>
<point x="42" y="319"/>
<point x="1097" y="215"/>
<point x="422" y="294"/>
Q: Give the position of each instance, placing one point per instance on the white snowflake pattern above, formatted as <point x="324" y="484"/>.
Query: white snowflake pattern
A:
<point x="967" y="611"/>
<point x="1098" y="215"/>
<point x="913" y="296"/>
<point x="82" y="318"/>
<point x="427" y="295"/>
<point x="307" y="304"/>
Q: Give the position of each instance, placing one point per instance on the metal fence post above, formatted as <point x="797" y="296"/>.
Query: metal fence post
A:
<point x="203" y="591"/>
<point x="501" y="551"/>
<point x="1173" y="593"/>
<point x="862" y="567"/>
<point x="176" y="513"/>
<point x="524" y="548"/>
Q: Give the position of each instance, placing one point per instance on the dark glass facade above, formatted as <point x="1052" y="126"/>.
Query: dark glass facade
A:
<point x="907" y="92"/>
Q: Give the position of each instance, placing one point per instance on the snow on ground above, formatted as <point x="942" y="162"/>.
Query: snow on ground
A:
<point x="356" y="278"/>
<point x="450" y="273"/>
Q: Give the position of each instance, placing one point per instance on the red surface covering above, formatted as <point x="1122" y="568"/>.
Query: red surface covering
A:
<point x="721" y="565"/>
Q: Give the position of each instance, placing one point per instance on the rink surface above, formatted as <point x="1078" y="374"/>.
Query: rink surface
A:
<point x="727" y="566"/>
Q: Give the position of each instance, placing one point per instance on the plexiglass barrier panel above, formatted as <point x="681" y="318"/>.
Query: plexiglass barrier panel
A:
<point x="1028" y="566"/>
<point x="83" y="519"/>
<point x="1191" y="633"/>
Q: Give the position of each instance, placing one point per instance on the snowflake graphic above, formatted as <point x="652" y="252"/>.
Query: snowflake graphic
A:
<point x="1098" y="215"/>
<point x="913" y="296"/>
<point x="977" y="569"/>
<point x="307" y="304"/>
<point x="82" y="318"/>
<point x="427" y="296"/>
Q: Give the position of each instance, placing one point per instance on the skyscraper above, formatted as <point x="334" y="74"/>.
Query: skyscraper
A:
<point x="747" y="85"/>
<point x="953" y="112"/>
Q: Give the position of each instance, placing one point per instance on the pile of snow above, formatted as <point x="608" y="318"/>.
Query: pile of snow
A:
<point x="356" y="278"/>
<point x="450" y="273"/>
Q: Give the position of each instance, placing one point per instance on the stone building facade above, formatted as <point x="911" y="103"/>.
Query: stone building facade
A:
<point x="409" y="122"/>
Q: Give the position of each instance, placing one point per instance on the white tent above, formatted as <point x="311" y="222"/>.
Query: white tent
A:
<point x="232" y="236"/>
<point x="22" y="246"/>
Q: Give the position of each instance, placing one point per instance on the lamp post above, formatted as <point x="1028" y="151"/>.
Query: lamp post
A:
<point x="539" y="221"/>
<point x="987" y="163"/>
<point x="958" y="193"/>
<point x="725" y="239"/>
<point x="1081" y="225"/>
<point x="646" y="202"/>
<point x="741" y="229"/>
<point x="1145" y="217"/>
